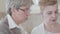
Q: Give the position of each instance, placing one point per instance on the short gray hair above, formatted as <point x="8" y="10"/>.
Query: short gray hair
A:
<point x="17" y="4"/>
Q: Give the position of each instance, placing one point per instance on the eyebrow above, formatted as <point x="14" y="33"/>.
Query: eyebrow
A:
<point x="22" y="9"/>
<point x="56" y="9"/>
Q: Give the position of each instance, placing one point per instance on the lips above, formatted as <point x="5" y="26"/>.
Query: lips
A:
<point x="54" y="20"/>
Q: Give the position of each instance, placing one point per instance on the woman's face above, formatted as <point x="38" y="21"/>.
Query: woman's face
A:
<point x="50" y="13"/>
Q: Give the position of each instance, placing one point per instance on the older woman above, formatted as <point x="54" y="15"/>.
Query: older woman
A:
<point x="17" y="13"/>
<point x="49" y="11"/>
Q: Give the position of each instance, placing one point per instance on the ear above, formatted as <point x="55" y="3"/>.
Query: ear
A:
<point x="13" y="9"/>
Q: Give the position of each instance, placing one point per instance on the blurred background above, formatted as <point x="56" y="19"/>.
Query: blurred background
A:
<point x="34" y="19"/>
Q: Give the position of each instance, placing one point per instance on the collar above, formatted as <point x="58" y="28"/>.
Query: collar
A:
<point x="11" y="22"/>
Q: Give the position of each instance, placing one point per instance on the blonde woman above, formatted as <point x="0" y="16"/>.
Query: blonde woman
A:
<point x="49" y="11"/>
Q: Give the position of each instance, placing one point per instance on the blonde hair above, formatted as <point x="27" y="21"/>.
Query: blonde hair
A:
<point x="44" y="3"/>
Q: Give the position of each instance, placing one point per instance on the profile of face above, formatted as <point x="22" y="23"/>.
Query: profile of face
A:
<point x="21" y="14"/>
<point x="50" y="13"/>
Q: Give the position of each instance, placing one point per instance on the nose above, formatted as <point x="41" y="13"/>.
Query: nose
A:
<point x="54" y="15"/>
<point x="27" y="14"/>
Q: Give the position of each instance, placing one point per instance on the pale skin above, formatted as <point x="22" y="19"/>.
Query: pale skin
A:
<point x="50" y="15"/>
<point x="20" y="15"/>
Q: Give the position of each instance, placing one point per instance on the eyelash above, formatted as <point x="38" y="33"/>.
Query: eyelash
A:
<point x="51" y="12"/>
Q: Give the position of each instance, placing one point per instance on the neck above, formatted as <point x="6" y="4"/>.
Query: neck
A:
<point x="52" y="27"/>
<point x="15" y="20"/>
<point x="51" y="24"/>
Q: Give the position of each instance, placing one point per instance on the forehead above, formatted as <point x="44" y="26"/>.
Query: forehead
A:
<point x="24" y="7"/>
<point x="51" y="8"/>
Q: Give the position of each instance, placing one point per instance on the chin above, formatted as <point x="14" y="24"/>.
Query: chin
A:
<point x="53" y="22"/>
<point x="24" y="19"/>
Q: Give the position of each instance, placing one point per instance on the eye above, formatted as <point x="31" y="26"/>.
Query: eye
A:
<point x="56" y="12"/>
<point x="49" y="12"/>
<point x="22" y="10"/>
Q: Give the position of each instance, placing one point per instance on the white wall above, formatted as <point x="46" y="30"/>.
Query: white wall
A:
<point x="2" y="5"/>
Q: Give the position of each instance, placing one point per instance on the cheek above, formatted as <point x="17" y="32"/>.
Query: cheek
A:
<point x="20" y="15"/>
<point x="56" y="15"/>
<point x="46" y="16"/>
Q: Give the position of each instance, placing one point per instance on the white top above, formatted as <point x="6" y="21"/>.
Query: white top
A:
<point x="12" y="24"/>
<point x="40" y="30"/>
<point x="50" y="32"/>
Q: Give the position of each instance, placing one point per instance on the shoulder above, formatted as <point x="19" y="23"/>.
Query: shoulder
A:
<point x="4" y="29"/>
<point x="3" y="21"/>
<point x="37" y="29"/>
<point x="3" y="25"/>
